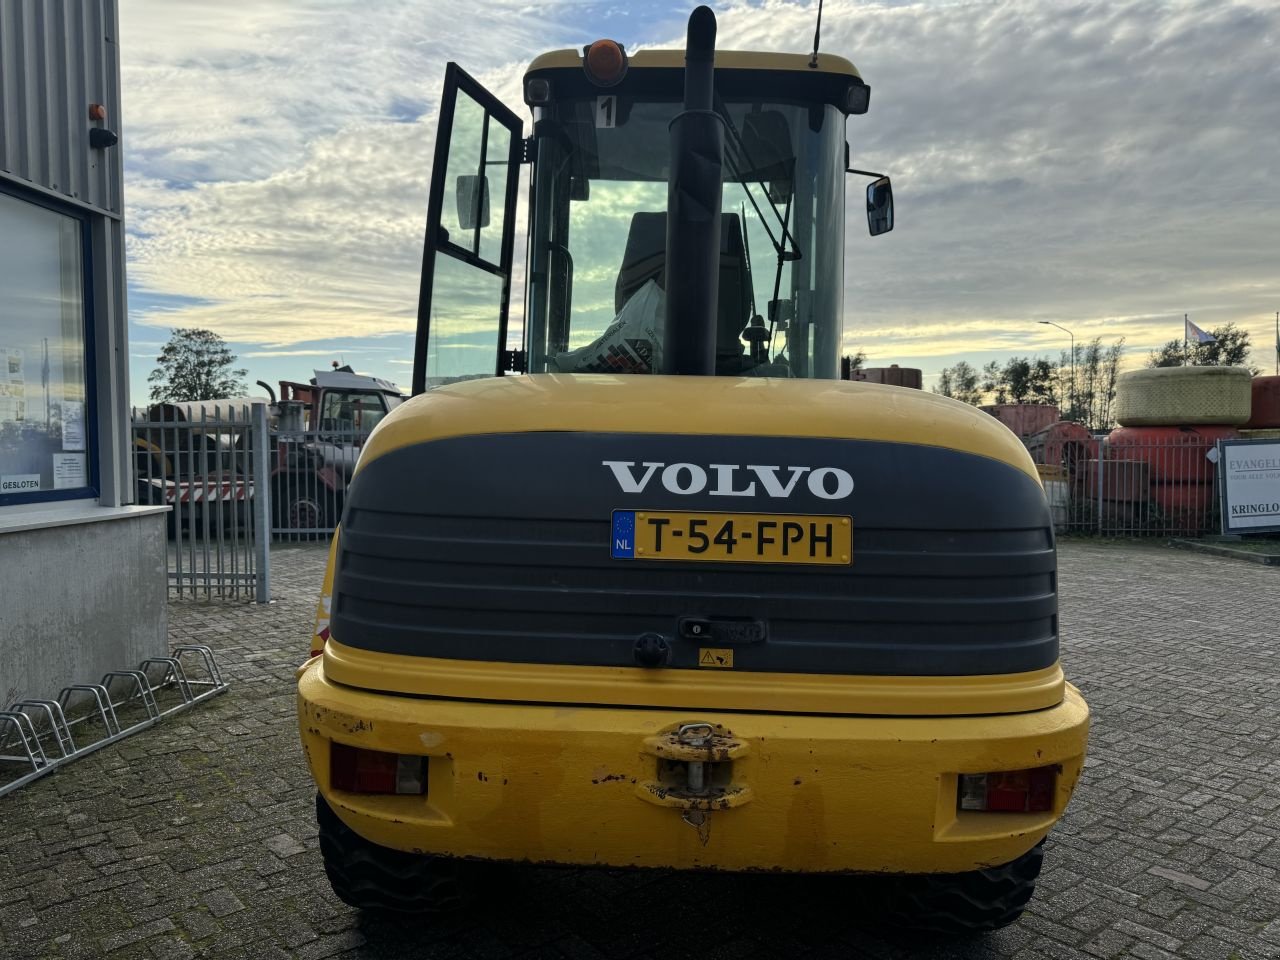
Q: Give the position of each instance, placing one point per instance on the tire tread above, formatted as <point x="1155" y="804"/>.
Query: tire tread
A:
<point x="975" y="902"/>
<point x="381" y="880"/>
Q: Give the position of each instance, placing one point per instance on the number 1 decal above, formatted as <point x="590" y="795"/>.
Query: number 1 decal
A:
<point x="607" y="111"/>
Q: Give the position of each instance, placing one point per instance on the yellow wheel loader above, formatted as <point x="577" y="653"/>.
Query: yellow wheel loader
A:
<point x="648" y="585"/>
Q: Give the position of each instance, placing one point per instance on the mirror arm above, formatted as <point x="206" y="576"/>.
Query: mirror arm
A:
<point x="866" y="173"/>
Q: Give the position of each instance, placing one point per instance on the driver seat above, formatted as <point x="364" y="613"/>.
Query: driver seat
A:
<point x="645" y="259"/>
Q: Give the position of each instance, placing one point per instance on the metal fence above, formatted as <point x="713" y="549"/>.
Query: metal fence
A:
<point x="208" y="464"/>
<point x="311" y="471"/>
<point x="1144" y="487"/>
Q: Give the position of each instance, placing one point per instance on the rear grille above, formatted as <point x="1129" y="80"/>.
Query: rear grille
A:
<point x="545" y="590"/>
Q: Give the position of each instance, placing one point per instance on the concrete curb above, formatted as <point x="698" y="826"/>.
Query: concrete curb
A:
<point x="1222" y="550"/>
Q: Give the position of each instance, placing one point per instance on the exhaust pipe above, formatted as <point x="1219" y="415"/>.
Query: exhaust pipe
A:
<point x="270" y="393"/>
<point x="693" y="211"/>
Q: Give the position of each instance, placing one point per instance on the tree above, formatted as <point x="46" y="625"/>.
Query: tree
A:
<point x="1230" y="348"/>
<point x="195" y="365"/>
<point x="1020" y="380"/>
<point x="850" y="363"/>
<point x="960" y="382"/>
<point x="1092" y="394"/>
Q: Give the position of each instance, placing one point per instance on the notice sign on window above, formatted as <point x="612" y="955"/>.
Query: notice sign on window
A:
<point x="13" y="387"/>
<point x="1250" y="472"/>
<point x="72" y="425"/>
<point x="69" y="471"/>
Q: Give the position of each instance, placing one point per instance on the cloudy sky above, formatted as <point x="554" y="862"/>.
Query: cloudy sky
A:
<point x="1106" y="166"/>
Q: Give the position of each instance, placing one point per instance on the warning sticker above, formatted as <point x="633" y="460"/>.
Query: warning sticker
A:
<point x="717" y="657"/>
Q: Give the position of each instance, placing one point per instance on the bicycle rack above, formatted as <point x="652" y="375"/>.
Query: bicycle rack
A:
<point x="173" y="669"/>
<point x="19" y="731"/>
<point x="30" y="743"/>
<point x="57" y="722"/>
<point x="106" y="711"/>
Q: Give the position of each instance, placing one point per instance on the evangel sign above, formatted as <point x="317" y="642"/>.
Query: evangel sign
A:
<point x="1249" y="475"/>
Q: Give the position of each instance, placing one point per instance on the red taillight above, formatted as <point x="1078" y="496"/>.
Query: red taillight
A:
<point x="356" y="770"/>
<point x="1008" y="791"/>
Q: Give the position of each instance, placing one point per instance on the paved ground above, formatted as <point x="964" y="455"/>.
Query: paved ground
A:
<point x="196" y="838"/>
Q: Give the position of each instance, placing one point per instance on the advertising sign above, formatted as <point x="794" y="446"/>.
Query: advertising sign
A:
<point x="1249" y="471"/>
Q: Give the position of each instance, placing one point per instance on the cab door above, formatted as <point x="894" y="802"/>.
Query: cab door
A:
<point x="465" y="291"/>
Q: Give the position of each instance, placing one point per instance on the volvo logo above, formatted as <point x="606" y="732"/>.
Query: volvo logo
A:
<point x="731" y="479"/>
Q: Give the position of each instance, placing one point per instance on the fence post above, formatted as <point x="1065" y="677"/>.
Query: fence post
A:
<point x="261" y="502"/>
<point x="1102" y="455"/>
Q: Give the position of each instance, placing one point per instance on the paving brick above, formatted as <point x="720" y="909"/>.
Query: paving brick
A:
<point x="196" y="838"/>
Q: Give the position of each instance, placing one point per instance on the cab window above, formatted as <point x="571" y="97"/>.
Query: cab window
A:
<point x="358" y="412"/>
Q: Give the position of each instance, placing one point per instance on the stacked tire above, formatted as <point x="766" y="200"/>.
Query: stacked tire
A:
<point x="1170" y="419"/>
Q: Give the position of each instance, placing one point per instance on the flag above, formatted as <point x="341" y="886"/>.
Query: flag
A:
<point x="1197" y="335"/>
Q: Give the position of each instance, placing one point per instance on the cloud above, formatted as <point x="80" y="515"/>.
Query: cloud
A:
<point x="1105" y="166"/>
<point x="302" y="181"/>
<point x="309" y="352"/>
<point x="1084" y="163"/>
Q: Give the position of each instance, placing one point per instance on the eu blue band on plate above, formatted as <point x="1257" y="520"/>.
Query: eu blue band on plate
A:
<point x="622" y="544"/>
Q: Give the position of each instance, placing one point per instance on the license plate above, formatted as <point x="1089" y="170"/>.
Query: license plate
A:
<point x="731" y="537"/>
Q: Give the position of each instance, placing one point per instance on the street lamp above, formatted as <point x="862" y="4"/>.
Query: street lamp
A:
<point x="1074" y="412"/>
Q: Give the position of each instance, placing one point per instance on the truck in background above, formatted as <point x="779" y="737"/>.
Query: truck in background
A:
<point x="193" y="454"/>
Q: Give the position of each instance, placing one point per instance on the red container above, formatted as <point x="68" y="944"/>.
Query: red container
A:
<point x="894" y="376"/>
<point x="1186" y="508"/>
<point x="1123" y="481"/>
<point x="1176" y="455"/>
<point x="1265" y="409"/>
<point x="1024" y="419"/>
<point x="1062" y="444"/>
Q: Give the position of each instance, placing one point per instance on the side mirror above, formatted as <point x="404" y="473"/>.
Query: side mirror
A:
<point x="880" y="206"/>
<point x="473" y="201"/>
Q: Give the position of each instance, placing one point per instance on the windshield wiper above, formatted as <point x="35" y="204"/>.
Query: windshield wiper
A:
<point x="740" y="147"/>
<point x="783" y="218"/>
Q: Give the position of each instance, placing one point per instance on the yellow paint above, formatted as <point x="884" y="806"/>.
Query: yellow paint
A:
<point x="320" y="632"/>
<point x="770" y="692"/>
<point x="812" y="793"/>
<point x="726" y="406"/>
<point x="743" y="537"/>
<point x="725" y="60"/>
<point x="721" y="658"/>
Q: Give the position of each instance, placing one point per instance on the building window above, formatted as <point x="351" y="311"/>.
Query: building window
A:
<point x="45" y="407"/>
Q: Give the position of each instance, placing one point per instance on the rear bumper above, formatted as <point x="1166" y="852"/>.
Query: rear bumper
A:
<point x="576" y="785"/>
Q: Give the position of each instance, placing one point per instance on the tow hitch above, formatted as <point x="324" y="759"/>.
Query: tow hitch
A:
<point x="695" y="772"/>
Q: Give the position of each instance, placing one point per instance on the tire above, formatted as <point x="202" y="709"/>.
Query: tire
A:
<point x="965" y="903"/>
<point x="381" y="880"/>
<point x="1179" y="396"/>
<point x="298" y="508"/>
<point x="1062" y="444"/>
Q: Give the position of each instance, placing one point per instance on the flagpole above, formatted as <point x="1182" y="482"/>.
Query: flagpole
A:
<point x="1278" y="343"/>
<point x="1184" y="340"/>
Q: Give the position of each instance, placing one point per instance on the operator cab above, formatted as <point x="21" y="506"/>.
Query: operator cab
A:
<point x="597" y="216"/>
